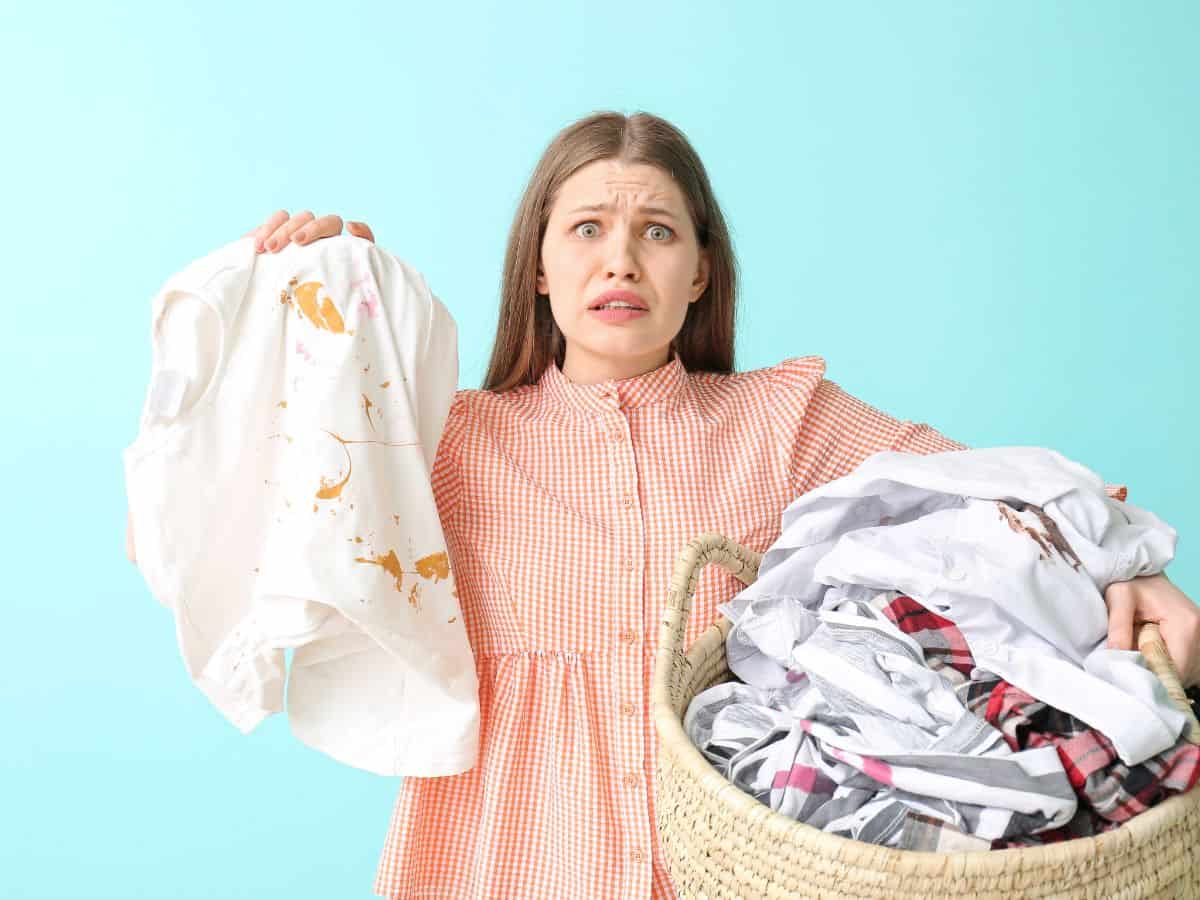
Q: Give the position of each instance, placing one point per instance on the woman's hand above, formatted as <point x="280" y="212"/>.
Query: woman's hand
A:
<point x="1153" y="598"/>
<point x="275" y="233"/>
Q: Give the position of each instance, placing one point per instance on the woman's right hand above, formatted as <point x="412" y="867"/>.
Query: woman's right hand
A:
<point x="281" y="229"/>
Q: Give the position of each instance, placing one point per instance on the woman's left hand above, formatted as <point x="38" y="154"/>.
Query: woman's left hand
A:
<point x="1153" y="598"/>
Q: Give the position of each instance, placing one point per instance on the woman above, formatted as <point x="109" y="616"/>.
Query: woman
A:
<point x="611" y="429"/>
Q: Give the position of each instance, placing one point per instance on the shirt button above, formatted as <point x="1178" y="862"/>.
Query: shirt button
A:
<point x="628" y="636"/>
<point x="630" y="780"/>
<point x="616" y="436"/>
<point x="637" y="856"/>
<point x="628" y="564"/>
<point x="628" y="709"/>
<point x="627" y="501"/>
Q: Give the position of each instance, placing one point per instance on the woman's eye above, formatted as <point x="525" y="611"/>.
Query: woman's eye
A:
<point x="582" y="225"/>
<point x="661" y="228"/>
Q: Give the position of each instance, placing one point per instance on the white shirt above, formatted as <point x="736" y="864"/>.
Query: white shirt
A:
<point x="1015" y="545"/>
<point x="280" y="493"/>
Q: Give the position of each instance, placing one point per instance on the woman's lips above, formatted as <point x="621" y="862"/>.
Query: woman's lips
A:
<point x="616" y="315"/>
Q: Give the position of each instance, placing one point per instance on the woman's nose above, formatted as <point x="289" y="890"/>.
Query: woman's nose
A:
<point x="622" y="261"/>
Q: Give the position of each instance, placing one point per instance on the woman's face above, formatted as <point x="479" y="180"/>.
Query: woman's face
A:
<point x="638" y="237"/>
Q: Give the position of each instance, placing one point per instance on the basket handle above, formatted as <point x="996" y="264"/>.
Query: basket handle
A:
<point x="1151" y="644"/>
<point x="742" y="563"/>
<point x="671" y="655"/>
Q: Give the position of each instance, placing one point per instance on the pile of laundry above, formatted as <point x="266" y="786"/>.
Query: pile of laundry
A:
<point x="923" y="662"/>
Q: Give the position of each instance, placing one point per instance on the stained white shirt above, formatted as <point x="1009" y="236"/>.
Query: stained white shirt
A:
<point x="1015" y="545"/>
<point x="279" y="487"/>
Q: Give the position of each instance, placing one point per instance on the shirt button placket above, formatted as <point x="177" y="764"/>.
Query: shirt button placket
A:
<point x="628" y="662"/>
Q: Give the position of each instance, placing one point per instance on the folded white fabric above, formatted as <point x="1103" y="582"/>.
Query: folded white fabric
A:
<point x="1015" y="545"/>
<point x="280" y="495"/>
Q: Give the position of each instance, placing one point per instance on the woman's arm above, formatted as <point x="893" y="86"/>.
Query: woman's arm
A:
<point x="1154" y="598"/>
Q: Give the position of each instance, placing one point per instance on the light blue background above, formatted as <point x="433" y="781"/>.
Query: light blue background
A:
<point x="984" y="216"/>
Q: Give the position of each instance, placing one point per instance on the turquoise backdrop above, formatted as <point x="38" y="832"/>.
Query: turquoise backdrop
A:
<point x="985" y="216"/>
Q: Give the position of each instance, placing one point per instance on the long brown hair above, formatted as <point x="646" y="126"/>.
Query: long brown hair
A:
<point x="527" y="338"/>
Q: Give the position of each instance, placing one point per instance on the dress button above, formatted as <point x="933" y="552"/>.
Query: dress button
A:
<point x="616" y="436"/>
<point x="628" y="564"/>
<point x="627" y="501"/>
<point x="628" y="636"/>
<point x="637" y="856"/>
<point x="630" y="780"/>
<point x="628" y="709"/>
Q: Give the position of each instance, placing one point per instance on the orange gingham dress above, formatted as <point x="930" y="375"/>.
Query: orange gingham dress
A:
<point x="564" y="507"/>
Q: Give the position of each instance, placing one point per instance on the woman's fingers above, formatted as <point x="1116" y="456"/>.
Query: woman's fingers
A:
<point x="303" y="228"/>
<point x="282" y="235"/>
<point x="362" y="230"/>
<point x="326" y="226"/>
<point x="1122" y="604"/>
<point x="263" y="231"/>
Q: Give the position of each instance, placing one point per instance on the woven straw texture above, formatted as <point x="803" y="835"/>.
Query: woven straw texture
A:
<point x="720" y="842"/>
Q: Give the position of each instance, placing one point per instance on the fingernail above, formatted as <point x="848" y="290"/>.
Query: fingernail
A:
<point x="300" y="237"/>
<point x="272" y="244"/>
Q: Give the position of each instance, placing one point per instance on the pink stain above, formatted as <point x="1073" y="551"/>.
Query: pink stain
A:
<point x="370" y="302"/>
<point x="303" y="351"/>
<point x="369" y="305"/>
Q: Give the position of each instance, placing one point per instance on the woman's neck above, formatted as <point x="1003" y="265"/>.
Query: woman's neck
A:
<point x="581" y="367"/>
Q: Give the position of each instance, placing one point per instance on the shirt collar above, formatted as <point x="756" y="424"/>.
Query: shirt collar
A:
<point x="664" y="383"/>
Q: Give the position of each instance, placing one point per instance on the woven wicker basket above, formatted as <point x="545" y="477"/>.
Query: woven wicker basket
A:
<point x="720" y="842"/>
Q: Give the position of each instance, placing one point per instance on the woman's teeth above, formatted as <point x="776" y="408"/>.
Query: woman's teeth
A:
<point x="618" y="305"/>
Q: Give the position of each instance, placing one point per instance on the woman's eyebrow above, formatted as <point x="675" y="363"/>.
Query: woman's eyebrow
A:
<point x="607" y="207"/>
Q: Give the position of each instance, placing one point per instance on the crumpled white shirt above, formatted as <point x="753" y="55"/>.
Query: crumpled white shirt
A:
<point x="279" y="487"/>
<point x="1015" y="545"/>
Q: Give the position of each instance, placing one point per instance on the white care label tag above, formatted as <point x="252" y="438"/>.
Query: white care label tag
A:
<point x="166" y="392"/>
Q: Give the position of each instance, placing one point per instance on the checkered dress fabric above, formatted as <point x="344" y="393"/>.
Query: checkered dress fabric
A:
<point x="565" y="506"/>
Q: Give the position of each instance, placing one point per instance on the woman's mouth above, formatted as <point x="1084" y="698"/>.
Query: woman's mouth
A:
<point x="618" y="312"/>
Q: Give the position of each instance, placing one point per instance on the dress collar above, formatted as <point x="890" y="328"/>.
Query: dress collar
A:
<point x="663" y="383"/>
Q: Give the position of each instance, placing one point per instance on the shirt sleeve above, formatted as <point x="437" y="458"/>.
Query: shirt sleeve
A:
<point x="830" y="431"/>
<point x="839" y="431"/>
<point x="446" y="473"/>
<point x="437" y="371"/>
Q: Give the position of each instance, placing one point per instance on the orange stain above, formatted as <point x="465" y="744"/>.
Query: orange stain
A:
<point x="367" y="404"/>
<point x="282" y="404"/>
<point x="330" y="489"/>
<point x="389" y="564"/>
<point x="332" y="317"/>
<point x="435" y="566"/>
<point x="414" y="596"/>
<point x="385" y="384"/>
<point x="326" y="316"/>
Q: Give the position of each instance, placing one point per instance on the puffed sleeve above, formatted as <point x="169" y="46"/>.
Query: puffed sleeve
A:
<point x="828" y="431"/>
<point x="445" y="473"/>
